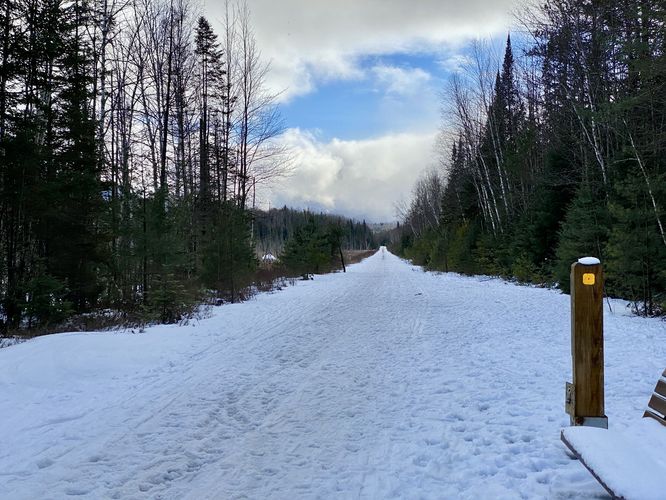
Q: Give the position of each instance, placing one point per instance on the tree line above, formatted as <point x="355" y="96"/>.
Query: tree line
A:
<point x="554" y="154"/>
<point x="132" y="139"/>
<point x="274" y="228"/>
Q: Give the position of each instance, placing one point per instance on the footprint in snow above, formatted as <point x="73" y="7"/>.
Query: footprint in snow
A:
<point x="44" y="463"/>
<point x="76" y="492"/>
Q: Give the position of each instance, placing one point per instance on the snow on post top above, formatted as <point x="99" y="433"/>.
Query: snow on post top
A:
<point x="269" y="257"/>
<point x="589" y="261"/>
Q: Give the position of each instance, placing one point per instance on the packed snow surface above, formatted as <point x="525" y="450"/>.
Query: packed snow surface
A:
<point x="384" y="382"/>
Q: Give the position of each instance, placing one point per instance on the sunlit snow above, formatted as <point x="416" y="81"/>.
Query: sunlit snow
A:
<point x="382" y="382"/>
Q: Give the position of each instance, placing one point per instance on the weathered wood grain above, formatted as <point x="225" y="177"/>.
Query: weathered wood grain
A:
<point x="587" y="343"/>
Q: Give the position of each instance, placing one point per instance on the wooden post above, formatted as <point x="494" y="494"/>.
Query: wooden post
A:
<point x="585" y="397"/>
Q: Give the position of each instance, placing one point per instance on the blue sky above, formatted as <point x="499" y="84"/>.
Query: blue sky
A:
<point x="358" y="108"/>
<point x="359" y="85"/>
<point x="343" y="109"/>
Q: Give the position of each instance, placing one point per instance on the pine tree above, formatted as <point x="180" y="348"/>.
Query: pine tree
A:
<point x="28" y="144"/>
<point x="228" y="256"/>
<point x="584" y="232"/>
<point x="636" y="254"/>
<point x="310" y="249"/>
<point x="72" y="236"/>
<point x="210" y="75"/>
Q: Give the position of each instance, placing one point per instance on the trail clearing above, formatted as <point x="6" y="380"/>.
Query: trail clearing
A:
<point x="384" y="382"/>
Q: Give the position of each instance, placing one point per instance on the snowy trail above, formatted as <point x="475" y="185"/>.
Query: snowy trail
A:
<point x="385" y="382"/>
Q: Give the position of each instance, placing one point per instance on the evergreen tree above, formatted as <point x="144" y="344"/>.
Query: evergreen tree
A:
<point x="313" y="248"/>
<point x="635" y="250"/>
<point x="72" y="234"/>
<point x="210" y="75"/>
<point x="228" y="257"/>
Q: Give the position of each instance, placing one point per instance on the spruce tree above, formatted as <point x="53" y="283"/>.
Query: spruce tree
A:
<point x="636" y="254"/>
<point x="73" y="237"/>
<point x="228" y="254"/>
<point x="584" y="232"/>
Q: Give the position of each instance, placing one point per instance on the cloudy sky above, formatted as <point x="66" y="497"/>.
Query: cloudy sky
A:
<point x="359" y="82"/>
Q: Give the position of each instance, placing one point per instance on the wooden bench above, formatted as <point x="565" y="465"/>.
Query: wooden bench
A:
<point x="631" y="463"/>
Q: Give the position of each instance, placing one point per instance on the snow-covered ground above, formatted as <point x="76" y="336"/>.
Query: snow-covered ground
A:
<point x="385" y="382"/>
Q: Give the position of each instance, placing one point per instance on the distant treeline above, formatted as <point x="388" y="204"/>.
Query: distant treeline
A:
<point x="557" y="154"/>
<point x="273" y="228"/>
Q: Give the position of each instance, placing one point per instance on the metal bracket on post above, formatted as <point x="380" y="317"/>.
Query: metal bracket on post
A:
<point x="570" y="398"/>
<point x="585" y="396"/>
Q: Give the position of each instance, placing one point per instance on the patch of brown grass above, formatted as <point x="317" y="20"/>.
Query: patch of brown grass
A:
<point x="355" y="256"/>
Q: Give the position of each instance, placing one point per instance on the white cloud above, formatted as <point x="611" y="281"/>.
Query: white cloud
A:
<point x="401" y="81"/>
<point x="291" y="77"/>
<point x="308" y="41"/>
<point x="455" y="62"/>
<point x="409" y="98"/>
<point x="359" y="178"/>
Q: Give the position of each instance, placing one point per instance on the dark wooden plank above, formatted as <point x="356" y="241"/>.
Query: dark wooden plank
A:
<point x="580" y="459"/>
<point x="649" y="414"/>
<point x="661" y="388"/>
<point x="657" y="404"/>
<point x="587" y="339"/>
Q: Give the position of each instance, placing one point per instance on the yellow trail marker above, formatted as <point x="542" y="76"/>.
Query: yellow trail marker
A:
<point x="588" y="279"/>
